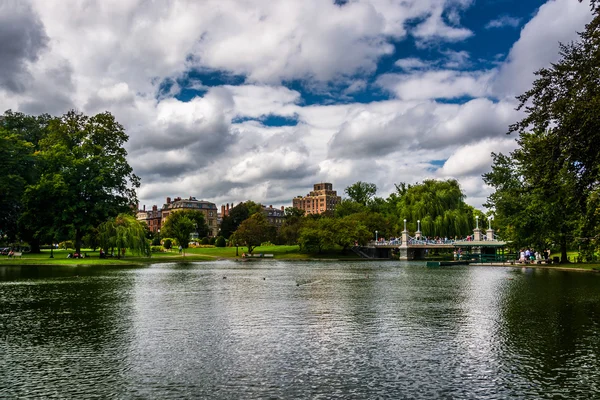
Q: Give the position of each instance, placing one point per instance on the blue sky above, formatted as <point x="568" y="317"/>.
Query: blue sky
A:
<point x="228" y="101"/>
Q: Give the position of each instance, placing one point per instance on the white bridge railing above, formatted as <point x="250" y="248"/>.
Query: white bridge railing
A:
<point x="429" y="241"/>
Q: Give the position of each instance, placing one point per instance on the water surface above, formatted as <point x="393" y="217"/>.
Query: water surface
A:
<point x="274" y="329"/>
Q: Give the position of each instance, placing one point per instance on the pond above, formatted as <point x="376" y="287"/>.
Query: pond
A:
<point x="272" y="329"/>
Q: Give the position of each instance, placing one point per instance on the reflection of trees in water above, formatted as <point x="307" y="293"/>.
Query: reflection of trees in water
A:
<point x="63" y="329"/>
<point x="550" y="330"/>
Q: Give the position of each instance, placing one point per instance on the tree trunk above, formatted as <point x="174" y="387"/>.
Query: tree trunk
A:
<point x="34" y="244"/>
<point x="563" y="249"/>
<point x="77" y="240"/>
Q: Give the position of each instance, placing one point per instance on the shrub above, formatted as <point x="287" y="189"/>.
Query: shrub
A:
<point x="220" y="241"/>
<point x="167" y="244"/>
<point x="66" y="245"/>
<point x="212" y="240"/>
<point x="204" y="240"/>
<point x="156" y="249"/>
<point x="156" y="241"/>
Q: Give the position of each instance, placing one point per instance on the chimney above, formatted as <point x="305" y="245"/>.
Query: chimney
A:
<point x="227" y="208"/>
<point x="168" y="200"/>
<point x="222" y="211"/>
<point x="282" y="208"/>
<point x="144" y="207"/>
<point x="270" y="205"/>
<point x="154" y="208"/>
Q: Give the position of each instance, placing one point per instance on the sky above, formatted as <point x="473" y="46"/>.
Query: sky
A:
<point x="229" y="101"/>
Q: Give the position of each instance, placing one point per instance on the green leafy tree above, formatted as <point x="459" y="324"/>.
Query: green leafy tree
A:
<point x="345" y="232"/>
<point x="361" y="192"/>
<point x="167" y="244"/>
<point x="293" y="212"/>
<point x="349" y="207"/>
<point x="124" y="232"/>
<point x="181" y="224"/>
<point x="314" y="236"/>
<point x="254" y="231"/>
<point x="19" y="141"/>
<point x="557" y="163"/>
<point x="15" y="157"/>
<point x="82" y="166"/>
<point x="440" y="207"/>
<point x="232" y="221"/>
<point x="220" y="242"/>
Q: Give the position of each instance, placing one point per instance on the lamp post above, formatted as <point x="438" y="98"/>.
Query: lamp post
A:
<point x="405" y="225"/>
<point x="419" y="225"/>
<point x="477" y="222"/>
<point x="375" y="235"/>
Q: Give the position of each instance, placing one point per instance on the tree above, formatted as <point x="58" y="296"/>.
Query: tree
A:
<point x="361" y="192"/>
<point x="124" y="232"/>
<point x="15" y="158"/>
<point x="19" y="141"/>
<point x="313" y="237"/>
<point x="346" y="231"/>
<point x="293" y="212"/>
<point x="232" y="221"/>
<point x="349" y="207"/>
<point x="220" y="242"/>
<point x="254" y="231"/>
<point x="440" y="207"/>
<point x="181" y="224"/>
<point x="562" y="124"/>
<point x="82" y="166"/>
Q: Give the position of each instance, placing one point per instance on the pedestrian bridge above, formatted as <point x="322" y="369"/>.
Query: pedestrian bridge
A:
<point x="416" y="247"/>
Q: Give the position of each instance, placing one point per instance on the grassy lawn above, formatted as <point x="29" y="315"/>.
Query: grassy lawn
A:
<point x="204" y="254"/>
<point x="190" y="254"/>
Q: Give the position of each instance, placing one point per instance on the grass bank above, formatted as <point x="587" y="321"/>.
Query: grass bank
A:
<point x="190" y="254"/>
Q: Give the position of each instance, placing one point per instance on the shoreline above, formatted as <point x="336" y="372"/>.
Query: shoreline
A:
<point x="208" y="258"/>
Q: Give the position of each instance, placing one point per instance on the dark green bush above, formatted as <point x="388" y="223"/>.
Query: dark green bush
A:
<point x="220" y="241"/>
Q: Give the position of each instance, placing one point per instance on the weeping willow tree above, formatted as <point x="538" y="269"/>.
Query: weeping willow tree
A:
<point x="124" y="232"/>
<point x="440" y="207"/>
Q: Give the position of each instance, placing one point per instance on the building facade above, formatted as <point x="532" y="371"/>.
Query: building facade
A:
<point x="322" y="199"/>
<point x="206" y="207"/>
<point x="157" y="217"/>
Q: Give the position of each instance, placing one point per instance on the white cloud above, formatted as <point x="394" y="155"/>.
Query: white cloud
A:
<point x="438" y="84"/>
<point x="411" y="63"/>
<point x="538" y="46"/>
<point x="115" y="54"/>
<point x="503" y="21"/>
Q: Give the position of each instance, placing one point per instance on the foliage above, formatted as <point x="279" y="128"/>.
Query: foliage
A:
<point x="232" y="221"/>
<point x="80" y="176"/>
<point x="220" y="241"/>
<point x="205" y="241"/>
<point x="440" y="207"/>
<point x="66" y="245"/>
<point x="254" y="231"/>
<point x="293" y="212"/>
<point x="314" y="237"/>
<point x="167" y="244"/>
<point x="557" y="165"/>
<point x="349" y="207"/>
<point x="124" y="232"/>
<point x="361" y="192"/>
<point x="181" y="224"/>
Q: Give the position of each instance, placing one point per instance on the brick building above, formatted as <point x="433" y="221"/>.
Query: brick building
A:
<point x="323" y="198"/>
<point x="156" y="217"/>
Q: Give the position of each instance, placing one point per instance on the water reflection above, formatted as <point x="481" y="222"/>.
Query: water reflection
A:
<point x="298" y="330"/>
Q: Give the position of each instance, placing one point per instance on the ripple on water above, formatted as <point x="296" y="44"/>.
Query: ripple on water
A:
<point x="300" y="330"/>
